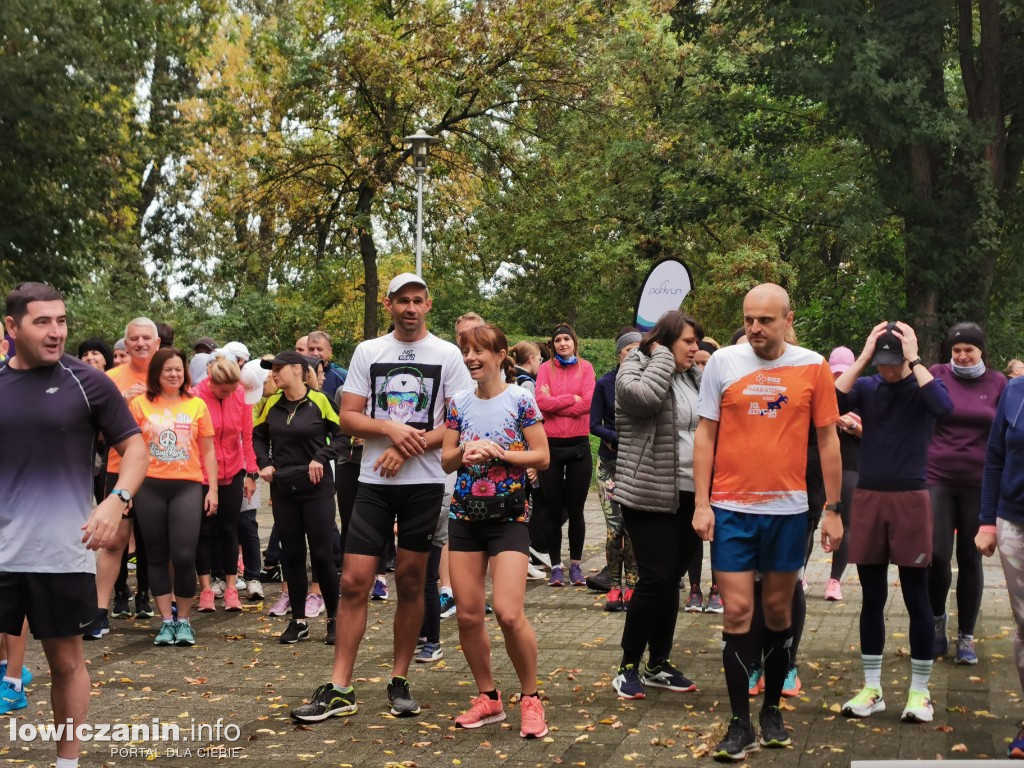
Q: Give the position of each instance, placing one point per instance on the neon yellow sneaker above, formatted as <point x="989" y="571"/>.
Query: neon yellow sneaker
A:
<point x="865" y="703"/>
<point x="919" y="708"/>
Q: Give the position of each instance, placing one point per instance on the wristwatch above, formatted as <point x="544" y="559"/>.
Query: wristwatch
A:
<point x="123" y="495"/>
<point x="916" y="361"/>
<point x="837" y="507"/>
<point x="253" y="475"/>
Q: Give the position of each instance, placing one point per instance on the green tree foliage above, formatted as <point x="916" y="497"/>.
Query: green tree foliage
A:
<point x="238" y="168"/>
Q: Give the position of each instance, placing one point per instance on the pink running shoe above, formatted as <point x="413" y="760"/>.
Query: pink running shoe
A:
<point x="231" y="601"/>
<point x="206" y="601"/>
<point x="833" y="591"/>
<point x="314" y="605"/>
<point x="483" y="710"/>
<point x="282" y="606"/>
<point x="531" y="711"/>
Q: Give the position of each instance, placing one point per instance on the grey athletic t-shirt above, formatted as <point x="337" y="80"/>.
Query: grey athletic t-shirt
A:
<point x="49" y="419"/>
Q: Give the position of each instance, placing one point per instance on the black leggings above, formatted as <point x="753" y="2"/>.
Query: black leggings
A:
<point x="248" y="532"/>
<point x="875" y="587"/>
<point x="566" y="483"/>
<point x="170" y="513"/>
<point x="840" y="558"/>
<point x="663" y="544"/>
<point x="298" y="520"/>
<point x="141" y="561"/>
<point x="956" y="509"/>
<point x="431" y="628"/>
<point x="218" y="534"/>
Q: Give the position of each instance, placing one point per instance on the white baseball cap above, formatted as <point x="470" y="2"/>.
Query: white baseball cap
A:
<point x="398" y="282"/>
<point x="239" y="350"/>
<point x="253" y="376"/>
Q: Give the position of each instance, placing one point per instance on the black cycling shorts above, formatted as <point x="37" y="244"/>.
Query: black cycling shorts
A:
<point x="377" y="506"/>
<point x="56" y="604"/>
<point x="490" y="536"/>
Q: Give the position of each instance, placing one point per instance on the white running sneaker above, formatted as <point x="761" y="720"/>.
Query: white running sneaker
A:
<point x="865" y="703"/>
<point x="533" y="573"/>
<point x="919" y="708"/>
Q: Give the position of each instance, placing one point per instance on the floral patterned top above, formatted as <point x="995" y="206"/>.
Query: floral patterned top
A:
<point x="501" y="419"/>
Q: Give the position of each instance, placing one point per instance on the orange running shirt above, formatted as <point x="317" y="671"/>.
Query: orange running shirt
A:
<point x="172" y="432"/>
<point x="124" y="376"/>
<point x="764" y="410"/>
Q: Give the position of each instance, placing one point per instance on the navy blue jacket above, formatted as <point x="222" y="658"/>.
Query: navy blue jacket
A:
<point x="1002" y="479"/>
<point x="602" y="416"/>
<point x="898" y="423"/>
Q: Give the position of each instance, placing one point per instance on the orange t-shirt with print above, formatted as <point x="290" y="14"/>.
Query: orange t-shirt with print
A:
<point x="124" y="376"/>
<point x="172" y="431"/>
<point x="764" y="410"/>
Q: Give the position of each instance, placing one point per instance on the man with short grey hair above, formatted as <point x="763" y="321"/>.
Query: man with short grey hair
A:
<point x="141" y="341"/>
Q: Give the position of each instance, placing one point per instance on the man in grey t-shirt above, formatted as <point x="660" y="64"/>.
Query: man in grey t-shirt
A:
<point x="52" y="407"/>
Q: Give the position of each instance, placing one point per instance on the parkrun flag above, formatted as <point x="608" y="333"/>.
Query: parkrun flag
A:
<point x="666" y="286"/>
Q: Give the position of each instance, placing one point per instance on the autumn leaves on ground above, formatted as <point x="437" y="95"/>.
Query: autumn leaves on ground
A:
<point x="240" y="673"/>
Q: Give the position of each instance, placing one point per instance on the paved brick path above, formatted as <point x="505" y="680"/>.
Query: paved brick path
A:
<point x="239" y="672"/>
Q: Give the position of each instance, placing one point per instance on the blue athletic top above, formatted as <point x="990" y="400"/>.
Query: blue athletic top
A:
<point x="1002" y="479"/>
<point x="898" y="422"/>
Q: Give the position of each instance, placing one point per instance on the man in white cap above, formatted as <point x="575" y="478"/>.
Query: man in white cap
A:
<point x="394" y="398"/>
<point x="238" y="350"/>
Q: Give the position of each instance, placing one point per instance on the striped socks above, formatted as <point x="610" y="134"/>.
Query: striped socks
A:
<point x="873" y="670"/>
<point x="920" y="672"/>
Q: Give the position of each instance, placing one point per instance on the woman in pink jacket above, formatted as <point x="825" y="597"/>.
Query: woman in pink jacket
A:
<point x="565" y="387"/>
<point x="236" y="467"/>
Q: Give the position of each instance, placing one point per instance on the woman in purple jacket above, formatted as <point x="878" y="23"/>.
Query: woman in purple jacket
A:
<point x="956" y="457"/>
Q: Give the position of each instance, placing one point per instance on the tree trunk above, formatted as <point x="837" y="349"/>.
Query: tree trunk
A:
<point x="368" y="252"/>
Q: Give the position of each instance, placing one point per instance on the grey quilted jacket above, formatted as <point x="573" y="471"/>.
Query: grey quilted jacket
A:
<point x="645" y="474"/>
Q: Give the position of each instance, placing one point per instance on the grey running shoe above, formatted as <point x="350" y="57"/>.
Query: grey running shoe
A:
<point x="402" y="702"/>
<point x="327" y="701"/>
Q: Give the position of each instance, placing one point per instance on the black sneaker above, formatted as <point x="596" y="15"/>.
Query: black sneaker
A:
<point x="329" y="640"/>
<point x="599" y="582"/>
<point x="296" y="631"/>
<point x="740" y="740"/>
<point x="97" y="628"/>
<point x="773" y="731"/>
<point x="402" y="702"/>
<point x="271" y="573"/>
<point x="121" y="608"/>
<point x="143" y="610"/>
<point x="327" y="701"/>
<point x="663" y="675"/>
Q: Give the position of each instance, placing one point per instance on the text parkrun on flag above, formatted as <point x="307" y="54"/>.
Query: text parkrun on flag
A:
<point x="137" y="733"/>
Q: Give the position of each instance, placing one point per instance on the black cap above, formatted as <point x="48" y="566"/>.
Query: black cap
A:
<point x="888" y="348"/>
<point x="288" y="357"/>
<point x="204" y="344"/>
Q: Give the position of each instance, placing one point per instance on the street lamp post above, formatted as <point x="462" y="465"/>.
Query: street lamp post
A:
<point x="420" y="141"/>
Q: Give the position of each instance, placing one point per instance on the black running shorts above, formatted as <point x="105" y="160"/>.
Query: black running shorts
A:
<point x="377" y="506"/>
<point x="490" y="536"/>
<point x="56" y="604"/>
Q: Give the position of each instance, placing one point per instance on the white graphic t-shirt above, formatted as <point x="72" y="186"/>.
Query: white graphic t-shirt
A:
<point x="407" y="382"/>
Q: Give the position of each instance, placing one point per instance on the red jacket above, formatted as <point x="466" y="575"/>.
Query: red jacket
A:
<point x="564" y="415"/>
<point x="232" y="432"/>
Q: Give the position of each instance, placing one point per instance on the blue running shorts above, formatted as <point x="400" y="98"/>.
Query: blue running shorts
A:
<point x="758" y="542"/>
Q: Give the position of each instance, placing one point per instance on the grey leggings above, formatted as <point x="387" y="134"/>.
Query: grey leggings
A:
<point x="170" y="513"/>
<point x="1010" y="544"/>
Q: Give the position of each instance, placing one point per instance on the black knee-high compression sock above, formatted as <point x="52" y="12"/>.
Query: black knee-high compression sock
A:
<point x="736" y="655"/>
